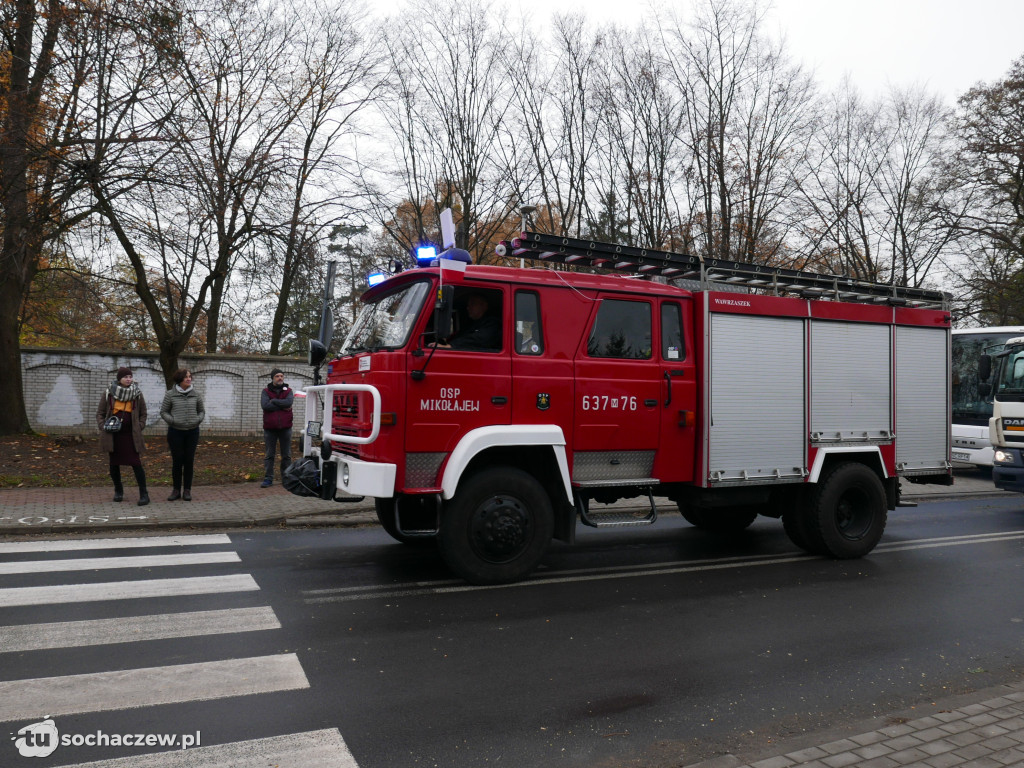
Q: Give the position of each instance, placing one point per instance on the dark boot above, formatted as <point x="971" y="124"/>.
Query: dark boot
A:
<point x="115" y="475"/>
<point x="175" y="495"/>
<point x="187" y="494"/>
<point x="140" y="478"/>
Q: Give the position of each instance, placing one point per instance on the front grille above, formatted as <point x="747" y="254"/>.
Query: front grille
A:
<point x="346" y="405"/>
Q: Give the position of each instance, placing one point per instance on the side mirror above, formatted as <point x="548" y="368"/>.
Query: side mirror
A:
<point x="317" y="353"/>
<point x="984" y="389"/>
<point x="984" y="367"/>
<point x="443" y="309"/>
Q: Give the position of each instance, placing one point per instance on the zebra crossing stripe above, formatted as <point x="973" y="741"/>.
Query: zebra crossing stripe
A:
<point x="126" y="590"/>
<point x="130" y="629"/>
<point x="70" y="545"/>
<point x="131" y="688"/>
<point x="313" y="749"/>
<point x="105" y="563"/>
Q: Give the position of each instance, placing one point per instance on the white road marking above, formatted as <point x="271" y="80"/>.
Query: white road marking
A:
<point x="126" y="689"/>
<point x="126" y="590"/>
<point x="105" y="563"/>
<point x="17" y="547"/>
<point x="130" y="629"/>
<point x="313" y="749"/>
<point x="410" y="589"/>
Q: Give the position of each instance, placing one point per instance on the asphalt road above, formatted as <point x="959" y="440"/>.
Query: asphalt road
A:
<point x="650" y="647"/>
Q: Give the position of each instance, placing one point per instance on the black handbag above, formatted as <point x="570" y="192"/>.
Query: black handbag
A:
<point x="112" y="424"/>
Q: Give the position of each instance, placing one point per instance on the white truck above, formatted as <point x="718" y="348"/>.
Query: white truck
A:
<point x="1006" y="427"/>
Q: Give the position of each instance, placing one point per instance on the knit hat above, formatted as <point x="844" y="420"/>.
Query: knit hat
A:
<point x="123" y="371"/>
<point x="275" y="371"/>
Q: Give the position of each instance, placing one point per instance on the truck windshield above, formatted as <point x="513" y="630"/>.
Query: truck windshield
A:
<point x="1010" y="375"/>
<point x="386" y="322"/>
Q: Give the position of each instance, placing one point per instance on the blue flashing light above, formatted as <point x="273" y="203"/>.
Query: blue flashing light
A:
<point x="426" y="253"/>
<point x="376" y="278"/>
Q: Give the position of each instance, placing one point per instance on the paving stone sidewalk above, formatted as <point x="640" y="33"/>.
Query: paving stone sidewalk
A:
<point x="982" y="730"/>
<point x="53" y="510"/>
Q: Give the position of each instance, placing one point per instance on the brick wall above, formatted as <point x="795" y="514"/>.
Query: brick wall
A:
<point x="63" y="387"/>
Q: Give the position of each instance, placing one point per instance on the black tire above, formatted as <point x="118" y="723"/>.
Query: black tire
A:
<point x="497" y="526"/>
<point x="692" y="515"/>
<point x="724" y="520"/>
<point x="847" y="512"/>
<point x="793" y="521"/>
<point x="414" y="508"/>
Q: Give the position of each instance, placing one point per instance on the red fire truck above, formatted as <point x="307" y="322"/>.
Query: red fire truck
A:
<point x="799" y="396"/>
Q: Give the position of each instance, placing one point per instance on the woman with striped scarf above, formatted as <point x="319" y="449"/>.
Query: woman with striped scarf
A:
<point x="124" y="401"/>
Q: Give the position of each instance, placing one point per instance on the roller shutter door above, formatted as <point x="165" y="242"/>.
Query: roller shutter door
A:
<point x="922" y="399"/>
<point x="757" y="398"/>
<point x="851" y="382"/>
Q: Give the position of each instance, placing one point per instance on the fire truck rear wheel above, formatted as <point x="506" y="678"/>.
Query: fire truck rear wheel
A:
<point x="847" y="512"/>
<point x="497" y="526"/>
<point x="721" y="519"/>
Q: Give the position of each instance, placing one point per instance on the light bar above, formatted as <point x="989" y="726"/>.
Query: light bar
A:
<point x="376" y="278"/>
<point x="426" y="253"/>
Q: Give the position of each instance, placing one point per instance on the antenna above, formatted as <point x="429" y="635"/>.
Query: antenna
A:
<point x="447" y="230"/>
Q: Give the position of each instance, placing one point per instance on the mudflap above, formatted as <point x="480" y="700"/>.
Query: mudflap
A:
<point x="328" y="480"/>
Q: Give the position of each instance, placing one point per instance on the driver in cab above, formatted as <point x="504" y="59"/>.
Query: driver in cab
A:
<point x="481" y="333"/>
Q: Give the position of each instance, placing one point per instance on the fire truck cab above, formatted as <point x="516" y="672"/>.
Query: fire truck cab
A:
<point x="493" y="408"/>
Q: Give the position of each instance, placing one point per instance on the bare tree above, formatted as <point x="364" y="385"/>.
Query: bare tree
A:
<point x="237" y="102"/>
<point x="448" y="102"/>
<point x="338" y="71"/>
<point x="990" y="165"/>
<point x="718" y="55"/>
<point x="43" y="66"/>
<point x="840" y="189"/>
<point x="919" y="200"/>
<point x="645" y="120"/>
<point x="556" y="119"/>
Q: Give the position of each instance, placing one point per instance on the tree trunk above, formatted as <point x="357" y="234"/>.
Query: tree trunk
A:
<point x="213" y="312"/>
<point x="169" y="351"/>
<point x="277" y="329"/>
<point x="13" y="418"/>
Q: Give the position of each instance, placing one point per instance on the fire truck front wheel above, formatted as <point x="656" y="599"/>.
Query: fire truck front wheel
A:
<point x="847" y="512"/>
<point x="497" y="526"/>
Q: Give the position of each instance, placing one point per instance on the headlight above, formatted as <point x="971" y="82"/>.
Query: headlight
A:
<point x="344" y="474"/>
<point x="1004" y="457"/>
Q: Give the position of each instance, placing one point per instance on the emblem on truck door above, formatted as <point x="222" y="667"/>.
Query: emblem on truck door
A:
<point x="543" y="401"/>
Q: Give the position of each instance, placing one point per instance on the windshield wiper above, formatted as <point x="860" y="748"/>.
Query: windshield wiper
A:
<point x="355" y="348"/>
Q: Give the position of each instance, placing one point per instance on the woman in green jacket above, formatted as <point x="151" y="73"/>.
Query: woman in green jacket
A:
<point x="184" y="411"/>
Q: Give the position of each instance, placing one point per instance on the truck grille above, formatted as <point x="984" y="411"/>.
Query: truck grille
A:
<point x="346" y="421"/>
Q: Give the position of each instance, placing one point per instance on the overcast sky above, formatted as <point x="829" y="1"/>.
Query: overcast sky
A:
<point x="945" y="45"/>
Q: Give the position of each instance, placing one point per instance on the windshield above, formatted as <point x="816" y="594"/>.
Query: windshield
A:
<point x="969" y="405"/>
<point x="386" y="322"/>
<point x="1010" y="375"/>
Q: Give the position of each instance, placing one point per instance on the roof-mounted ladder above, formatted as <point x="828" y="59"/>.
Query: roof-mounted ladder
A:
<point x="776" y="280"/>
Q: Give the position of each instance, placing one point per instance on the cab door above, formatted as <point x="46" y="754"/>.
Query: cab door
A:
<point x="460" y="389"/>
<point x="617" y="408"/>
<point x="678" y="423"/>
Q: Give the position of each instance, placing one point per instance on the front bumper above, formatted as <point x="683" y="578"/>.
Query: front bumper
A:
<point x="1009" y="476"/>
<point x="363" y="478"/>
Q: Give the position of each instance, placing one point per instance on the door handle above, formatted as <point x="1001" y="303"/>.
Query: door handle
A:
<point x="668" y="380"/>
<point x="499" y="400"/>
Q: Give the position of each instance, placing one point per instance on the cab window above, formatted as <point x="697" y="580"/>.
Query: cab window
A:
<point x="529" y="339"/>
<point x="622" y="330"/>
<point x="478" y="320"/>
<point x="672" y="347"/>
